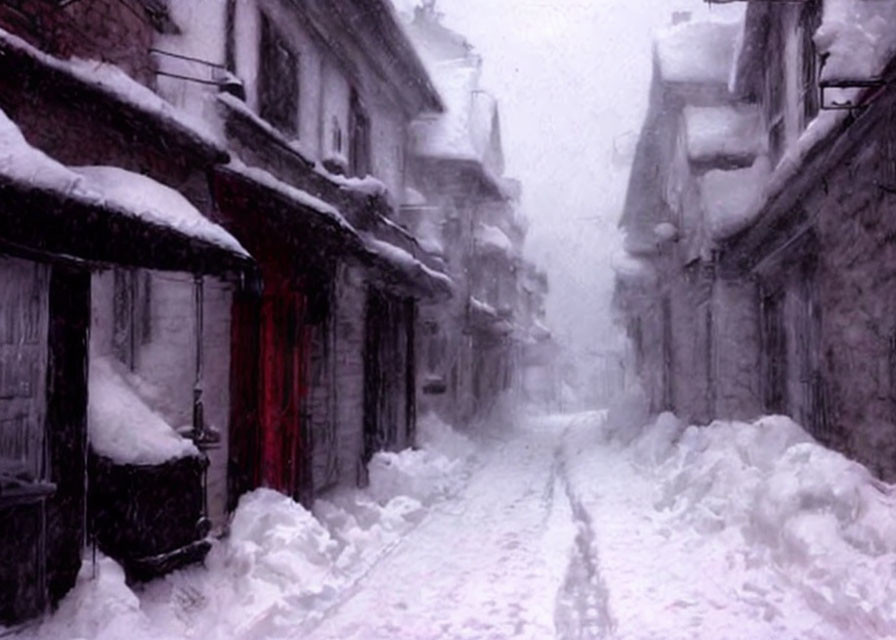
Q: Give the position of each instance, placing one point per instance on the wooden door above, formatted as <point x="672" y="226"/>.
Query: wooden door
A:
<point x="285" y="350"/>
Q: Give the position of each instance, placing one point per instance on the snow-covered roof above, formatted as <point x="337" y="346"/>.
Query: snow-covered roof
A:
<point x="302" y="198"/>
<point x="491" y="239"/>
<point x="697" y="52"/>
<point x="414" y="271"/>
<point x="724" y="134"/>
<point x="857" y="38"/>
<point x="122" y="427"/>
<point x="118" y="86"/>
<point x="469" y="128"/>
<point x="123" y="192"/>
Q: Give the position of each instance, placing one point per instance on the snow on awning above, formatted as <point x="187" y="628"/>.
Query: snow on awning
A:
<point x="484" y="317"/>
<point x="731" y="199"/>
<point x="724" y="135"/>
<point x="401" y="270"/>
<point x="697" y="52"/>
<point x="80" y="80"/>
<point x="633" y="270"/>
<point x="122" y="427"/>
<point x="491" y="239"/>
<point x="90" y="206"/>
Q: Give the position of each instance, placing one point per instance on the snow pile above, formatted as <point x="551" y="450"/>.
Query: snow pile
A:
<point x="857" y="38"/>
<point x="122" y="427"/>
<point x="283" y="567"/>
<point x="426" y="475"/>
<point x="98" y="608"/>
<point x="785" y="501"/>
<point x="697" y="52"/>
<point x="723" y="133"/>
<point x="730" y="199"/>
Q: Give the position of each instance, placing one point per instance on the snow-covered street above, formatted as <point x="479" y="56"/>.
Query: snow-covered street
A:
<point x="594" y="525"/>
<point x="569" y="530"/>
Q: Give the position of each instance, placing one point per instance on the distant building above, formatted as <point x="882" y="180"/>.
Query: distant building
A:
<point x="469" y="217"/>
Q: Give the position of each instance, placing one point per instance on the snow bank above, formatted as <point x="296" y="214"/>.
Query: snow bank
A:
<point x="282" y="566"/>
<point x="697" y="52"/>
<point x="100" y="607"/>
<point x="820" y="519"/>
<point x="122" y="427"/>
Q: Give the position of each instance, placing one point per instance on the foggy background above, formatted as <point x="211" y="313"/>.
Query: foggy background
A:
<point x="571" y="78"/>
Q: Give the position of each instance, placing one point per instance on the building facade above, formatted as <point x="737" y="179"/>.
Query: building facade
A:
<point x="795" y="260"/>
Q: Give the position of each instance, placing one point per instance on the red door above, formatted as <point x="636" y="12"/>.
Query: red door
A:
<point x="284" y="352"/>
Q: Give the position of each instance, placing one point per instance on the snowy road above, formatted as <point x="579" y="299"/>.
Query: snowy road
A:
<point x="564" y="534"/>
<point x="568" y="527"/>
<point x="492" y="563"/>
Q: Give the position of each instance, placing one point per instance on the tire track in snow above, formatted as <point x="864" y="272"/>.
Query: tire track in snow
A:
<point x="582" y="608"/>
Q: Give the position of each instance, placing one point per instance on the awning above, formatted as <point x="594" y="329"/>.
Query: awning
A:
<point x="255" y="203"/>
<point x="104" y="215"/>
<point x="399" y="270"/>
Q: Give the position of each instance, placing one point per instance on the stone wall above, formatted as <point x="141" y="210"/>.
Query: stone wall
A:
<point x="857" y="296"/>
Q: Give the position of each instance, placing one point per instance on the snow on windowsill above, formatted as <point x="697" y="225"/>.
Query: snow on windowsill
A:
<point x="723" y="132"/>
<point x="122" y="427"/>
<point x="120" y="86"/>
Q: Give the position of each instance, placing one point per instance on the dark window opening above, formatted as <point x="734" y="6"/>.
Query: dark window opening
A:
<point x="774" y="354"/>
<point x="810" y="21"/>
<point x="359" y="138"/>
<point x="278" y="80"/>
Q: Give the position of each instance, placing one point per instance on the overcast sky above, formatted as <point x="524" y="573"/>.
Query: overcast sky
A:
<point x="571" y="77"/>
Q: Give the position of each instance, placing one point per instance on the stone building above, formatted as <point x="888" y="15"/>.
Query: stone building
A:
<point x="98" y="175"/>
<point x="797" y="245"/>
<point x="315" y="103"/>
<point x="469" y="217"/>
<point x="818" y="244"/>
<point x="698" y="141"/>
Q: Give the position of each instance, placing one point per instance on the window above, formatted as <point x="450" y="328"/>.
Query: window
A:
<point x="278" y="80"/>
<point x="775" y="100"/>
<point x="359" y="141"/>
<point x="132" y="314"/>
<point x="810" y="21"/>
<point x="337" y="135"/>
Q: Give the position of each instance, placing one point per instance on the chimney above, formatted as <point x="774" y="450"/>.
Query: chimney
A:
<point x="680" y="17"/>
